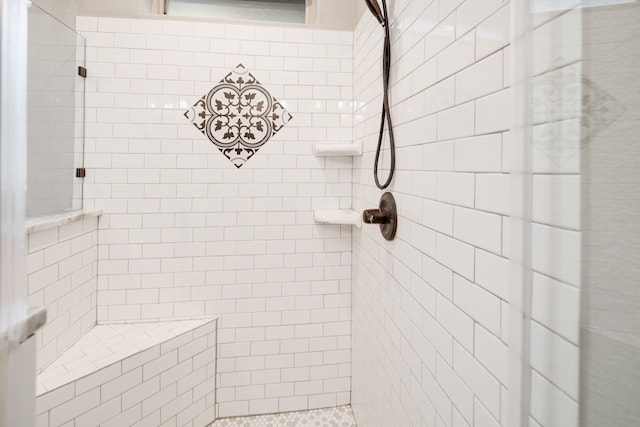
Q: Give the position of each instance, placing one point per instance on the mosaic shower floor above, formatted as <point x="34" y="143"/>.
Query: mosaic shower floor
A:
<point x="330" y="417"/>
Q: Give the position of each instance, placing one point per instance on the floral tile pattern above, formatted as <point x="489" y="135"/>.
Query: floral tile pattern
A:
<point x="341" y="416"/>
<point x="238" y="115"/>
<point x="569" y="111"/>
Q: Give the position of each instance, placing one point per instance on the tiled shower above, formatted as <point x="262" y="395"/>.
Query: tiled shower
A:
<point x="219" y="268"/>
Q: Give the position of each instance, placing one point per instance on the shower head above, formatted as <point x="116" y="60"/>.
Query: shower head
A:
<point x="374" y="7"/>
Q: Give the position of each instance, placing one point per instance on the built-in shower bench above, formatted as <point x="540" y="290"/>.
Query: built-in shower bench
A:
<point x="124" y="374"/>
<point x="150" y="374"/>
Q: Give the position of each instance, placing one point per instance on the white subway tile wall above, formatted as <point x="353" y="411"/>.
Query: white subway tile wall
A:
<point x="186" y="235"/>
<point x="429" y="329"/>
<point x="168" y="382"/>
<point x="62" y="263"/>
<point x="107" y="344"/>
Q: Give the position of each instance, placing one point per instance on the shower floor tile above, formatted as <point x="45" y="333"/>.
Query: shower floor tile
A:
<point x="341" y="416"/>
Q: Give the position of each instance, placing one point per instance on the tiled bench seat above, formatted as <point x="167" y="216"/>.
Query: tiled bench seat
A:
<point x="144" y="374"/>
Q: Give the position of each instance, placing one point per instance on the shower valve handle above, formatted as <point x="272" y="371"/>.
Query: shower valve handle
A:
<point x="375" y="216"/>
<point x="386" y="216"/>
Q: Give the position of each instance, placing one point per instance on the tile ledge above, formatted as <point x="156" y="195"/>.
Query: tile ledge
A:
<point x="334" y="149"/>
<point x="338" y="216"/>
<point x="45" y="223"/>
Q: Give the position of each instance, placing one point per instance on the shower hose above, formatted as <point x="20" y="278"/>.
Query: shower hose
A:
<point x="386" y="110"/>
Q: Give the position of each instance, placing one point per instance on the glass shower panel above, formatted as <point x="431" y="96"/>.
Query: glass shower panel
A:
<point x="555" y="234"/>
<point x="610" y="327"/>
<point x="55" y="108"/>
<point x="17" y="361"/>
<point x="582" y="296"/>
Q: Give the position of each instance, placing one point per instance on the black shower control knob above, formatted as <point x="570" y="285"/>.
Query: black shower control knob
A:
<point x="386" y="216"/>
<point x="374" y="216"/>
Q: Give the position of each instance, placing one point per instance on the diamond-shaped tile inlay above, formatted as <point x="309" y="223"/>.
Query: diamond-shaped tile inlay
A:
<point x="238" y="115"/>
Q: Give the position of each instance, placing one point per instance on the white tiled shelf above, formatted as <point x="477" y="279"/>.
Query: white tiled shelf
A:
<point x="334" y="149"/>
<point x="338" y="216"/>
<point x="52" y="221"/>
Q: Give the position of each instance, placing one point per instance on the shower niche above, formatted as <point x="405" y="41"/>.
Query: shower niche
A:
<point x="337" y="216"/>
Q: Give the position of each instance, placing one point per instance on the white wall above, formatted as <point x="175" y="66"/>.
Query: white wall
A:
<point x="322" y="14"/>
<point x="67" y="10"/>
<point x="185" y="234"/>
<point x="429" y="308"/>
<point x="64" y="10"/>
<point x="335" y="14"/>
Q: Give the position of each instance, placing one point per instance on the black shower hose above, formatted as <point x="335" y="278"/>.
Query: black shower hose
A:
<point x="386" y="110"/>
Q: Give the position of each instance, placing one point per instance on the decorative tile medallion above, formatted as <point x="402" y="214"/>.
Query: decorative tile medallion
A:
<point x="341" y="416"/>
<point x="569" y="111"/>
<point x="238" y="115"/>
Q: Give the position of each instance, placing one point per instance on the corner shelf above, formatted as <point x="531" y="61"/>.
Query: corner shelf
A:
<point x="341" y="217"/>
<point x="338" y="216"/>
<point x="335" y="149"/>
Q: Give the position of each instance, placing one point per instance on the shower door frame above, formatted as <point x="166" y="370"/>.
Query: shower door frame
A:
<point x="520" y="271"/>
<point x="17" y="353"/>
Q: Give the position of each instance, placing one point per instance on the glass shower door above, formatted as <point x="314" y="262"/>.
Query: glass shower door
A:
<point x="17" y="353"/>
<point x="580" y="335"/>
<point x="610" y="326"/>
